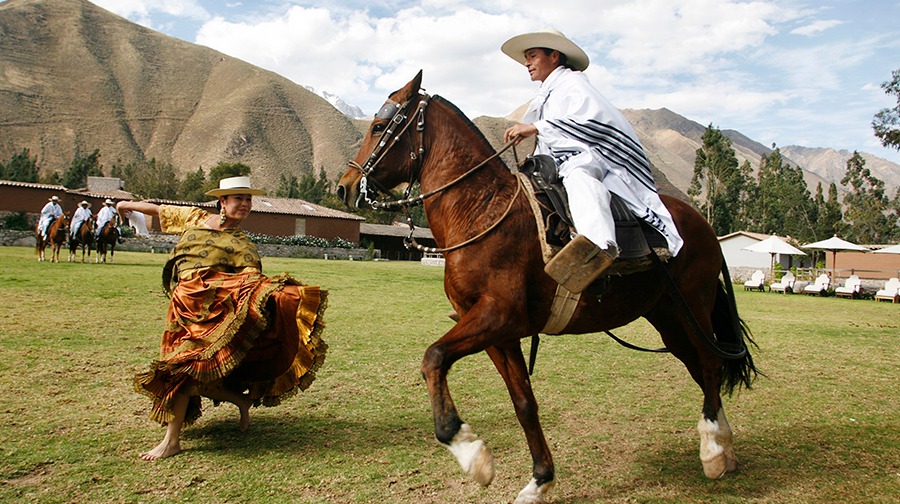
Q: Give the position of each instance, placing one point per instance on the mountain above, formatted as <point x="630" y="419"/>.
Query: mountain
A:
<point x="75" y="77"/>
<point x="337" y="102"/>
<point x="831" y="164"/>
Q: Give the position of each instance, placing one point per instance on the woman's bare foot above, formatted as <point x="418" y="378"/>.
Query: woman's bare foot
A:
<point x="162" y="450"/>
<point x="244" y="406"/>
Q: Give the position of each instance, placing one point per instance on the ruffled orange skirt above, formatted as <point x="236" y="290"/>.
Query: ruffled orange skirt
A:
<point x="247" y="332"/>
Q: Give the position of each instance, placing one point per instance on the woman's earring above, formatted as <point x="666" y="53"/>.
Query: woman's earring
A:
<point x="222" y="216"/>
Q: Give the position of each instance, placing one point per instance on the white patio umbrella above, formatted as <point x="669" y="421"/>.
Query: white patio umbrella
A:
<point x="835" y="245"/>
<point x="774" y="245"/>
<point x="893" y="249"/>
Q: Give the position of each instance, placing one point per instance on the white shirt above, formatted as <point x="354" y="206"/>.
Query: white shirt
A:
<point x="578" y="126"/>
<point x="82" y="214"/>
<point x="51" y="209"/>
<point x="106" y="214"/>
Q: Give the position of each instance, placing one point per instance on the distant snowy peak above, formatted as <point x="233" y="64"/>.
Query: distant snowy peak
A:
<point x="338" y="103"/>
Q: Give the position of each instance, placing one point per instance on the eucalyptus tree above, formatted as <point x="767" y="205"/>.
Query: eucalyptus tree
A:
<point x="866" y="204"/>
<point x="887" y="121"/>
<point x="20" y="168"/>
<point x="716" y="184"/>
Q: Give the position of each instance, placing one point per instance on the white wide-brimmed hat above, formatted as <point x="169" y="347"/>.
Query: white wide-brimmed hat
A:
<point x="85" y="203"/>
<point x="235" y="185"/>
<point x="109" y="202"/>
<point x="551" y="39"/>
<point x="54" y="198"/>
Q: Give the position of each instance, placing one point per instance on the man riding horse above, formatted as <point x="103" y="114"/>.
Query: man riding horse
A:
<point x="82" y="215"/>
<point x="51" y="211"/>
<point x="595" y="149"/>
<point x="105" y="215"/>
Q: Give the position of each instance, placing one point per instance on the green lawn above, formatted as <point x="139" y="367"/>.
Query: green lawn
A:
<point x="822" y="426"/>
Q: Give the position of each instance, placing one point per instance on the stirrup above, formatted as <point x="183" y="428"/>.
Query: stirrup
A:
<point x="579" y="263"/>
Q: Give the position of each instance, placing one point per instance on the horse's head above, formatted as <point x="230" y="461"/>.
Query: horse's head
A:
<point x="389" y="155"/>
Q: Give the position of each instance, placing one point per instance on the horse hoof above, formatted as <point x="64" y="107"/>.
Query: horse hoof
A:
<point x="483" y="466"/>
<point x="716" y="446"/>
<point x="534" y="493"/>
<point x="720" y="466"/>
<point x="473" y="455"/>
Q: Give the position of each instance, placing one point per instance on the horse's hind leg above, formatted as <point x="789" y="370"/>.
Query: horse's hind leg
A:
<point x="716" y="447"/>
<point x="510" y="362"/>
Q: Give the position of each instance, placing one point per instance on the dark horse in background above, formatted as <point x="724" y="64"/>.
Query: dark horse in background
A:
<point x="106" y="241"/>
<point x="494" y="278"/>
<point x="56" y="237"/>
<point x="83" y="238"/>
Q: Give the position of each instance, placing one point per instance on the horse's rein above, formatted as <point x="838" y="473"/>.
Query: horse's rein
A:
<point x="389" y="140"/>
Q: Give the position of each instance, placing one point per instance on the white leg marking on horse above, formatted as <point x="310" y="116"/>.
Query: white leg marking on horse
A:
<point x="716" y="446"/>
<point x="473" y="455"/>
<point x="534" y="494"/>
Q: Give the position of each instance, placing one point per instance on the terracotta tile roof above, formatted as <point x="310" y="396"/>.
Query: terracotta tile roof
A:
<point x="268" y="204"/>
<point x="112" y="194"/>
<point x="116" y="194"/>
<point x="290" y="206"/>
<point x="32" y="185"/>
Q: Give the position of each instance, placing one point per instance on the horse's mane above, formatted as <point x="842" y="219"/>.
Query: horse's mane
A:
<point x="453" y="108"/>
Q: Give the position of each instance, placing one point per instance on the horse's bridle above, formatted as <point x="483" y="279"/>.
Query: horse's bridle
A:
<point x="396" y="115"/>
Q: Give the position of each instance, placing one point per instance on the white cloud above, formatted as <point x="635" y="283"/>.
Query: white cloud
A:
<point x="737" y="63"/>
<point x="816" y="27"/>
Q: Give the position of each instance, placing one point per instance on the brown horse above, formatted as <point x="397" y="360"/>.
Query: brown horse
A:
<point x="485" y="224"/>
<point x="106" y="241"/>
<point x="56" y="237"/>
<point x="83" y="238"/>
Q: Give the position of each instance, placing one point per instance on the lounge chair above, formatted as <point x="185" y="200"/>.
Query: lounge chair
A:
<point x="756" y="282"/>
<point x="850" y="289"/>
<point x="891" y="291"/>
<point x="785" y="285"/>
<point x="820" y="287"/>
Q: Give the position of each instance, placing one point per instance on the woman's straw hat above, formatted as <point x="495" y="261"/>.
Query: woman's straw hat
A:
<point x="235" y="185"/>
<point x="551" y="39"/>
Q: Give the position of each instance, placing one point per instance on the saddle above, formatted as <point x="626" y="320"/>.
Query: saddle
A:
<point x="634" y="237"/>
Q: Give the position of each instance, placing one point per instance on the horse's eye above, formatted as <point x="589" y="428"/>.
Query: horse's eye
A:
<point x="378" y="128"/>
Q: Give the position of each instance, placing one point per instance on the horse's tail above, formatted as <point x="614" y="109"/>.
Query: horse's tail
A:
<point x="729" y="328"/>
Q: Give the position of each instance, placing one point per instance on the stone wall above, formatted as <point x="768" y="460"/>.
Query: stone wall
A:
<point x="163" y="243"/>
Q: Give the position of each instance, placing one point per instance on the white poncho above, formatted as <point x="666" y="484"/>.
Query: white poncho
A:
<point x="595" y="146"/>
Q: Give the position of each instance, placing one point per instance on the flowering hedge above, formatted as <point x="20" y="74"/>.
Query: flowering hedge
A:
<point x="301" y="240"/>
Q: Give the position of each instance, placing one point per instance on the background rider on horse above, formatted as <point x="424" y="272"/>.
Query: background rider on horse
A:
<point x="82" y="215"/>
<point x="51" y="211"/>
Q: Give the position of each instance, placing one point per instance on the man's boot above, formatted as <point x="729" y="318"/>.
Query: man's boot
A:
<point x="579" y="263"/>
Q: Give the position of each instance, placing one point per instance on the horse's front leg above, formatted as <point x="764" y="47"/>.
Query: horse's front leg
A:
<point x="470" y="451"/>
<point x="510" y="362"/>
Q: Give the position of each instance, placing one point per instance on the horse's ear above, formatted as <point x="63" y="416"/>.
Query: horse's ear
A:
<point x="410" y="90"/>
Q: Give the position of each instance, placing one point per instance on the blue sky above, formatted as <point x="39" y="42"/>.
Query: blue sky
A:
<point x="784" y="71"/>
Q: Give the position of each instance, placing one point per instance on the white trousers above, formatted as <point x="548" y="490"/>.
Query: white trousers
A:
<point x="589" y="201"/>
